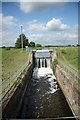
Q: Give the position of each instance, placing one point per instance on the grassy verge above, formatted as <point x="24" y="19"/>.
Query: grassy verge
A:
<point x="69" y="55"/>
<point x="12" y="60"/>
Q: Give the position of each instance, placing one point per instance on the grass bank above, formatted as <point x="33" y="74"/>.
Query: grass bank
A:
<point x="69" y="55"/>
<point x="12" y="60"/>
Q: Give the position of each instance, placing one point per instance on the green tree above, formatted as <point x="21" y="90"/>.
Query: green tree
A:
<point x="38" y="45"/>
<point x="18" y="41"/>
<point x="32" y="44"/>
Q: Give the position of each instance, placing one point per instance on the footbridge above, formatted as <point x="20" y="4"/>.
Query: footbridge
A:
<point x="38" y="92"/>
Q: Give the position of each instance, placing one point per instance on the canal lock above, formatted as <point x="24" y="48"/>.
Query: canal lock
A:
<point x="44" y="98"/>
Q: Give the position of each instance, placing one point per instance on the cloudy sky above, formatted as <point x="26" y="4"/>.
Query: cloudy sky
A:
<point x="47" y="23"/>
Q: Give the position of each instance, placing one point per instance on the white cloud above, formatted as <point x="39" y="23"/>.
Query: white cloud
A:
<point x="0" y="20"/>
<point x="8" y="38"/>
<point x="54" y="32"/>
<point x="7" y="34"/>
<point x="36" y="26"/>
<point x="54" y="39"/>
<point x="70" y="36"/>
<point x="28" y="7"/>
<point x="74" y="29"/>
<point x="52" y="25"/>
<point x="41" y="5"/>
<point x="8" y="22"/>
<point x="56" y="24"/>
<point x="61" y="33"/>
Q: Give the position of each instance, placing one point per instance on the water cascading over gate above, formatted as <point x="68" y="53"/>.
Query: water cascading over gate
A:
<point x="42" y="58"/>
<point x="39" y="63"/>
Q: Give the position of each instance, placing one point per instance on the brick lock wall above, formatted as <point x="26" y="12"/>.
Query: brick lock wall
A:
<point x="70" y="91"/>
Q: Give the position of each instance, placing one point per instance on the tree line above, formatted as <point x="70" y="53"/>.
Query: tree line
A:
<point x="26" y="42"/>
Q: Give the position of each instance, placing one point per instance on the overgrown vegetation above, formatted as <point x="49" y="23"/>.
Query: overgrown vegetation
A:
<point x="55" y="62"/>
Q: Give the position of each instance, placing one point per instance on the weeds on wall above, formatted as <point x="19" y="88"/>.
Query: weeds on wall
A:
<point x="54" y="63"/>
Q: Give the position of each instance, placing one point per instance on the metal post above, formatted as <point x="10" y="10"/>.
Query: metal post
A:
<point x="22" y="37"/>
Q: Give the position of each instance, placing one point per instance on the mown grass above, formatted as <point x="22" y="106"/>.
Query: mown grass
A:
<point x="12" y="60"/>
<point x="69" y="55"/>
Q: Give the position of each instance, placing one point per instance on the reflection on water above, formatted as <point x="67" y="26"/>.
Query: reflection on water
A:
<point x="44" y="99"/>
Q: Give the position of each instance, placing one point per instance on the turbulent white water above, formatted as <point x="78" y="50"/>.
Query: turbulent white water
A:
<point x="46" y="73"/>
<point x="42" y="72"/>
<point x="53" y="85"/>
<point x="42" y="63"/>
<point x="48" y="62"/>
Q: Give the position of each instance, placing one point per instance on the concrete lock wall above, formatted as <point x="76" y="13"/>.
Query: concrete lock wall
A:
<point x="54" y="55"/>
<point x="13" y="108"/>
<point x="70" y="90"/>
